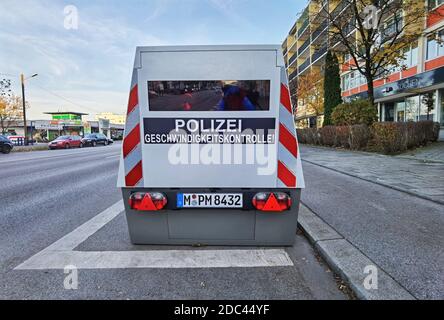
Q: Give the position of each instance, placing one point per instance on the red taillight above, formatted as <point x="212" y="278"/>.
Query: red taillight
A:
<point x="147" y="201"/>
<point x="272" y="201"/>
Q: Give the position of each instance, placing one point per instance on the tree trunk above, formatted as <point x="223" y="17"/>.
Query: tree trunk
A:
<point x="371" y="90"/>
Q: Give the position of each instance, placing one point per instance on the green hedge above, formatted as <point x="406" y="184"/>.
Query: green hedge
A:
<point x="353" y="113"/>
<point x="384" y="137"/>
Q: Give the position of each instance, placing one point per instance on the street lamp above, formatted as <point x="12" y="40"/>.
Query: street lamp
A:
<point x="25" y="128"/>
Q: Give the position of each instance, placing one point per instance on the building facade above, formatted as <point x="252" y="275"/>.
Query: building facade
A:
<point x="305" y="48"/>
<point x="65" y="123"/>
<point x="112" y="117"/>
<point x="400" y="95"/>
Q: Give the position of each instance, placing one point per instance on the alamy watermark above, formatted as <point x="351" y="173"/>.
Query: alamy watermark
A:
<point x="256" y="148"/>
<point x="71" y="281"/>
<point x="71" y="21"/>
<point x="371" y="17"/>
<point x="371" y="280"/>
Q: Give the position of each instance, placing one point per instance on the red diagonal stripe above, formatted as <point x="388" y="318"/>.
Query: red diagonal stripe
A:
<point x="131" y="140"/>
<point x="286" y="176"/>
<point x="285" y="98"/>
<point x="288" y="140"/>
<point x="133" y="99"/>
<point x="134" y="176"/>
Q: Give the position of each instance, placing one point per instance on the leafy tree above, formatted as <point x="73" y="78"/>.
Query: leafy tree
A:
<point x="374" y="34"/>
<point x="310" y="92"/>
<point x="11" y="109"/>
<point x="332" y="86"/>
<point x="353" y="113"/>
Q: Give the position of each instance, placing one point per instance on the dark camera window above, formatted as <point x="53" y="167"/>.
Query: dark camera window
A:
<point x="216" y="95"/>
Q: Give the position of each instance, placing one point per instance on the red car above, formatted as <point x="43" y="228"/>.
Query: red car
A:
<point x="66" y="142"/>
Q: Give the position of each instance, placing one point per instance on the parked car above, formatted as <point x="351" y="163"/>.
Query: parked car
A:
<point x="5" y="145"/>
<point x="16" y="139"/>
<point x="94" y="139"/>
<point x="66" y="142"/>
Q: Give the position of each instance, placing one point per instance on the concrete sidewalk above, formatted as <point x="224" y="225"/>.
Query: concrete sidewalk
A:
<point x="431" y="153"/>
<point x="420" y="174"/>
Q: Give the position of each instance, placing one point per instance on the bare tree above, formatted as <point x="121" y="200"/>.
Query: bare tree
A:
<point x="373" y="33"/>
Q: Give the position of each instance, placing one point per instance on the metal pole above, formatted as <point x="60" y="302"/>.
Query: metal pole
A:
<point x="25" y="128"/>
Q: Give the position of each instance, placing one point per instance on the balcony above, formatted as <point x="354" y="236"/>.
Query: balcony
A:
<point x="292" y="59"/>
<point x="292" y="75"/>
<point x="304" y="46"/>
<point x="304" y="65"/>
<point x="319" y="53"/>
<point x="320" y="29"/>
<point x="339" y="8"/>
<point x="391" y="30"/>
<point x="349" y="28"/>
<point x="303" y="27"/>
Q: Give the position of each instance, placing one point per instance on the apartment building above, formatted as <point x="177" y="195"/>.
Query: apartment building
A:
<point x="400" y="94"/>
<point x="305" y="48"/>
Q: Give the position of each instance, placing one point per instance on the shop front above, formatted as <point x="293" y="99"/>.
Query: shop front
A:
<point x="413" y="108"/>
<point x="417" y="98"/>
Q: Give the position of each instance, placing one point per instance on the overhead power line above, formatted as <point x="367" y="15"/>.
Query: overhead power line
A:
<point x="67" y="100"/>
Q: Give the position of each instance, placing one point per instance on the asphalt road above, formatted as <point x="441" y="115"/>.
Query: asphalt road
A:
<point x="401" y="233"/>
<point x="46" y="195"/>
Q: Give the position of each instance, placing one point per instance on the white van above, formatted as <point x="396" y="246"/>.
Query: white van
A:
<point x="210" y="154"/>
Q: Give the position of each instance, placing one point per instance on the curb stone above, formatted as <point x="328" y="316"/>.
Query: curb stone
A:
<point x="347" y="260"/>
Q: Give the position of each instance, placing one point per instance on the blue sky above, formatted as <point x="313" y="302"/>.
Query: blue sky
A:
<point x="89" y="69"/>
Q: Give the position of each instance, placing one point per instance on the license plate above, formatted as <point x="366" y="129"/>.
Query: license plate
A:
<point x="209" y="200"/>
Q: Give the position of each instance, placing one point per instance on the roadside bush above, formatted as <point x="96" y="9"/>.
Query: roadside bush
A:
<point x="388" y="137"/>
<point x="353" y="113"/>
<point x="395" y="137"/>
<point x="383" y="137"/>
<point x="435" y="134"/>
<point x="343" y="137"/>
<point x="301" y="133"/>
<point x="328" y="136"/>
<point x="308" y="136"/>
<point x="313" y="136"/>
<point x="359" y="136"/>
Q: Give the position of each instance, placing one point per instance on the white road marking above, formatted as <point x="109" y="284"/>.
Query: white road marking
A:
<point x="61" y="253"/>
<point x="55" y="156"/>
<point x="114" y="156"/>
<point x="158" y="259"/>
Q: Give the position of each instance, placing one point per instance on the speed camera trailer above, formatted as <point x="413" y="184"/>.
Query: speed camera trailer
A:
<point x="210" y="154"/>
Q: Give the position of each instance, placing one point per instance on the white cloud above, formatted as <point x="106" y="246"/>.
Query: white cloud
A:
<point x="91" y="66"/>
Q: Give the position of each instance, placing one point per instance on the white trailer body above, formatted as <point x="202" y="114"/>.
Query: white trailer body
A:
<point x="210" y="124"/>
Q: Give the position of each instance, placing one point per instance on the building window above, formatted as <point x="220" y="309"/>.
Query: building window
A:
<point x="441" y="95"/>
<point x="423" y="110"/>
<point x="410" y="56"/>
<point x="352" y="80"/>
<point x="400" y="111"/>
<point x="412" y="108"/>
<point x="392" y="26"/>
<point x="435" y="3"/>
<point x="435" y="45"/>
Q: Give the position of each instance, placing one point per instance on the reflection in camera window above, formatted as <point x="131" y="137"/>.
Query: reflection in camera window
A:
<point x="234" y="95"/>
